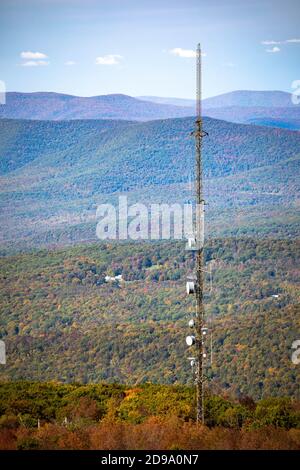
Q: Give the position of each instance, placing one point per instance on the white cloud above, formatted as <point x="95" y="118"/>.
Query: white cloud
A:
<point x="293" y="40"/>
<point x="270" y="43"/>
<point x="34" y="63"/>
<point x="186" y="53"/>
<point x="109" y="59"/>
<point x="274" y="49"/>
<point x="286" y="41"/>
<point x="70" y="62"/>
<point x="32" y="55"/>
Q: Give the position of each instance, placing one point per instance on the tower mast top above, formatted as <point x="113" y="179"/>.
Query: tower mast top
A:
<point x="198" y="82"/>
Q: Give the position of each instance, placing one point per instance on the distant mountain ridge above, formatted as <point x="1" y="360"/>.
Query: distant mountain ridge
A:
<point x="57" y="106"/>
<point x="245" y="98"/>
<point x="266" y="108"/>
<point x="263" y="108"/>
<point x="174" y="101"/>
<point x="242" y="98"/>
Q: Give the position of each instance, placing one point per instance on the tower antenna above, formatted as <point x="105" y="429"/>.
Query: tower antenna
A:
<point x="199" y="237"/>
<point x="196" y="243"/>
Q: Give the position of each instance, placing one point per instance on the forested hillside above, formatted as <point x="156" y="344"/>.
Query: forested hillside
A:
<point x="55" y="173"/>
<point x="61" y="321"/>
<point x="285" y="118"/>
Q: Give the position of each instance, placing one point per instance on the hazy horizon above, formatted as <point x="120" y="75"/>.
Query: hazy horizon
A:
<point x="143" y="95"/>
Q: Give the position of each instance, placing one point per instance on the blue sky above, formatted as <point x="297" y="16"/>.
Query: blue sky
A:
<point x="92" y="47"/>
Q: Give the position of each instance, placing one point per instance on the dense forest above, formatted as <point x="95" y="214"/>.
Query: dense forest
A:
<point x="59" y="416"/>
<point x="55" y="173"/>
<point x="61" y="321"/>
<point x="93" y="363"/>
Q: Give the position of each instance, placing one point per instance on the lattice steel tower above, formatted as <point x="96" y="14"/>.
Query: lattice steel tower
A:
<point x="196" y="243"/>
<point x="199" y="134"/>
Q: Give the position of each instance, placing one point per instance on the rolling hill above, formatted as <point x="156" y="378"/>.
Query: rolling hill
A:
<point x="242" y="98"/>
<point x="263" y="108"/>
<point x="61" y="321"/>
<point x="283" y="117"/>
<point x="270" y="108"/>
<point x="53" y="174"/>
<point x="57" y="106"/>
<point x="164" y="100"/>
<point x="250" y="98"/>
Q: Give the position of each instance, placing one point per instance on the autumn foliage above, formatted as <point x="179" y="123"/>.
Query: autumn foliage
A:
<point x="109" y="416"/>
<point x="155" y="433"/>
